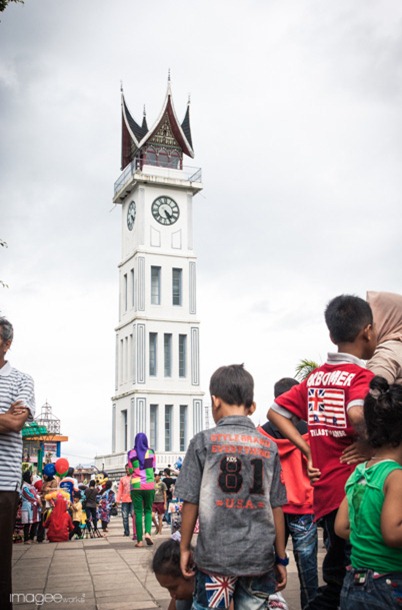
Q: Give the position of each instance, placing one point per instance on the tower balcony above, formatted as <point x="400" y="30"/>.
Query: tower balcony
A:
<point x="187" y="177"/>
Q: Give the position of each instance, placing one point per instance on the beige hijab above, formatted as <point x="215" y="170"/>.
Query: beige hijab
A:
<point x="387" y="313"/>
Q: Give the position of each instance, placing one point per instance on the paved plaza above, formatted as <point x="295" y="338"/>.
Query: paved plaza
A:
<point x="99" y="574"/>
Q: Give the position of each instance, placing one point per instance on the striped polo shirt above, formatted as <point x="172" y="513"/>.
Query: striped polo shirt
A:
<point x="14" y="385"/>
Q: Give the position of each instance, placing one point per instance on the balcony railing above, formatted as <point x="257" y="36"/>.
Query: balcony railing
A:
<point x="187" y="174"/>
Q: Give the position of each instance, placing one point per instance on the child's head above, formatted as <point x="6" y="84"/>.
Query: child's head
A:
<point x="232" y="385"/>
<point x="283" y="385"/>
<point x="350" y="321"/>
<point x="166" y="565"/>
<point x="382" y="413"/>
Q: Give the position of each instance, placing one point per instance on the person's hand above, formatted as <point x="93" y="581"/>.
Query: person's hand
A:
<point x="312" y="472"/>
<point x="281" y="577"/>
<point x="356" y="453"/>
<point x="17" y="408"/>
<point x="187" y="564"/>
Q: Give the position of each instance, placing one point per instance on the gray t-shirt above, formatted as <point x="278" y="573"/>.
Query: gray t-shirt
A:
<point x="233" y="473"/>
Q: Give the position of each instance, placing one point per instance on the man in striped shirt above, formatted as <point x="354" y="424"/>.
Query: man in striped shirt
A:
<point x="17" y="405"/>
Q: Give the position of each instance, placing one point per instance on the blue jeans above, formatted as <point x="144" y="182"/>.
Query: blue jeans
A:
<point x="333" y="567"/>
<point x="247" y="592"/>
<point x="303" y="531"/>
<point x="126" y="512"/>
<point x="363" y="591"/>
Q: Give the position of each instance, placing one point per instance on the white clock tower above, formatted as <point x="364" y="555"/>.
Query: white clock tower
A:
<point x="157" y="388"/>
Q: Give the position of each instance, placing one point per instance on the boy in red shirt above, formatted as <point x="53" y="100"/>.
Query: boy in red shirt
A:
<point x="298" y="511"/>
<point x="331" y="401"/>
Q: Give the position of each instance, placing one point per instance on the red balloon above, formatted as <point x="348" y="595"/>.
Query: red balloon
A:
<point x="62" y="465"/>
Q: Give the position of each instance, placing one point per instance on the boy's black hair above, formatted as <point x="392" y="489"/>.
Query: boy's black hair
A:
<point x="382" y="413"/>
<point x="233" y="384"/>
<point x="283" y="385"/>
<point x="92" y="483"/>
<point x="166" y="559"/>
<point x="345" y="316"/>
<point x="27" y="476"/>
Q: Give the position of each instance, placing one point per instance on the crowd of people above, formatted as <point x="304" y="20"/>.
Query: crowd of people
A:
<point x="58" y="509"/>
<point x="329" y="455"/>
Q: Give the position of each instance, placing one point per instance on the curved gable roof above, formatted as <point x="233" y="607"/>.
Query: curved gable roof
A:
<point x="135" y="136"/>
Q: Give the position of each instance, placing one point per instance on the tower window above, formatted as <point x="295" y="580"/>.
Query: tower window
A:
<point x="153" y="344"/>
<point x="177" y="286"/>
<point x="124" y="428"/>
<point x="132" y="287"/>
<point x="182" y="355"/>
<point x="153" y="427"/>
<point x="168" y="354"/>
<point x="125" y="288"/>
<point x="183" y="427"/>
<point x="155" y="285"/>
<point x="168" y="427"/>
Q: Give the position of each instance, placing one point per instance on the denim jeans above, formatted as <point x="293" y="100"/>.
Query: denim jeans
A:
<point x="126" y="512"/>
<point x="303" y="531"/>
<point x="247" y="592"/>
<point x="363" y="591"/>
<point x="333" y="567"/>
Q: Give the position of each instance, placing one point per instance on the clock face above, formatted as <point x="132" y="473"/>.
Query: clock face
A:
<point x="131" y="212"/>
<point x="165" y="210"/>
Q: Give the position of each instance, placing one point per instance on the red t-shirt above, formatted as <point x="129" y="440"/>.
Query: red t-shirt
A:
<point x="323" y="400"/>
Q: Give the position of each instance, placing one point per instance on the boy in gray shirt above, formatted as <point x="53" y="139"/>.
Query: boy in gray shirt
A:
<point x="230" y="479"/>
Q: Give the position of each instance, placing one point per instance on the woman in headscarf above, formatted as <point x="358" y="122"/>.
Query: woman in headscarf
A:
<point x="387" y="314"/>
<point x="58" y="523"/>
<point x="141" y="466"/>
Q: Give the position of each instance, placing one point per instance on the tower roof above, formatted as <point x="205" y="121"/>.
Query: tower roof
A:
<point x="135" y="136"/>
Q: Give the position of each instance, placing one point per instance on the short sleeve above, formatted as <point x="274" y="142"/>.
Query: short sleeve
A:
<point x="26" y="393"/>
<point x="188" y="482"/>
<point x="294" y="401"/>
<point x="359" y="388"/>
<point x="278" y="491"/>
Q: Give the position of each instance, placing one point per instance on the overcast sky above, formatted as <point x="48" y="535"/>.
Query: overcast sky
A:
<point x="296" y="124"/>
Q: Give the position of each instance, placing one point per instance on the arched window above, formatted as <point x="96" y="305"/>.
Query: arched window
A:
<point x="163" y="159"/>
<point x="175" y="159"/>
<point x="150" y="156"/>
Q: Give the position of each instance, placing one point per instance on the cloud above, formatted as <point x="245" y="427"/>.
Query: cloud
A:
<point x="295" y="112"/>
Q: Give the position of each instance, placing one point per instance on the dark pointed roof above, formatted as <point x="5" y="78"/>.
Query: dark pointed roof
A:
<point x="134" y="136"/>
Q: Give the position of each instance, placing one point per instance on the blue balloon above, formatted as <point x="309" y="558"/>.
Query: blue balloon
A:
<point x="49" y="470"/>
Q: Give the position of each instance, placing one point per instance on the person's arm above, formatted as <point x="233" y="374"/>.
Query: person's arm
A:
<point x="360" y="450"/>
<point x="189" y="514"/>
<point x="342" y="523"/>
<point x="14" y="419"/>
<point x="280" y="549"/>
<point x="289" y="430"/>
<point x="391" y="513"/>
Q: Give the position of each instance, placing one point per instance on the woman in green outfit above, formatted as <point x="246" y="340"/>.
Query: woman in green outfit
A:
<point x="141" y="466"/>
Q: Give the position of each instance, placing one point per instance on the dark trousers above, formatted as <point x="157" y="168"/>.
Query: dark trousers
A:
<point x="76" y="531"/>
<point x="30" y="530"/>
<point x="8" y="511"/>
<point x="333" y="567"/>
<point x="91" y="516"/>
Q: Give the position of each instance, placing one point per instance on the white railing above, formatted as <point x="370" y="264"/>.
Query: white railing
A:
<point x="188" y="174"/>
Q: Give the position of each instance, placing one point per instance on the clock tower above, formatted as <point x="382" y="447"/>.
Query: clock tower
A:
<point x="157" y="384"/>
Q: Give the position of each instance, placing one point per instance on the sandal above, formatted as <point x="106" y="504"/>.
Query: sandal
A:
<point x="148" y="540"/>
<point x="139" y="545"/>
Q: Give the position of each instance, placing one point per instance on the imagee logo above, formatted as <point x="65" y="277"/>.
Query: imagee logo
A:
<point x="39" y="599"/>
